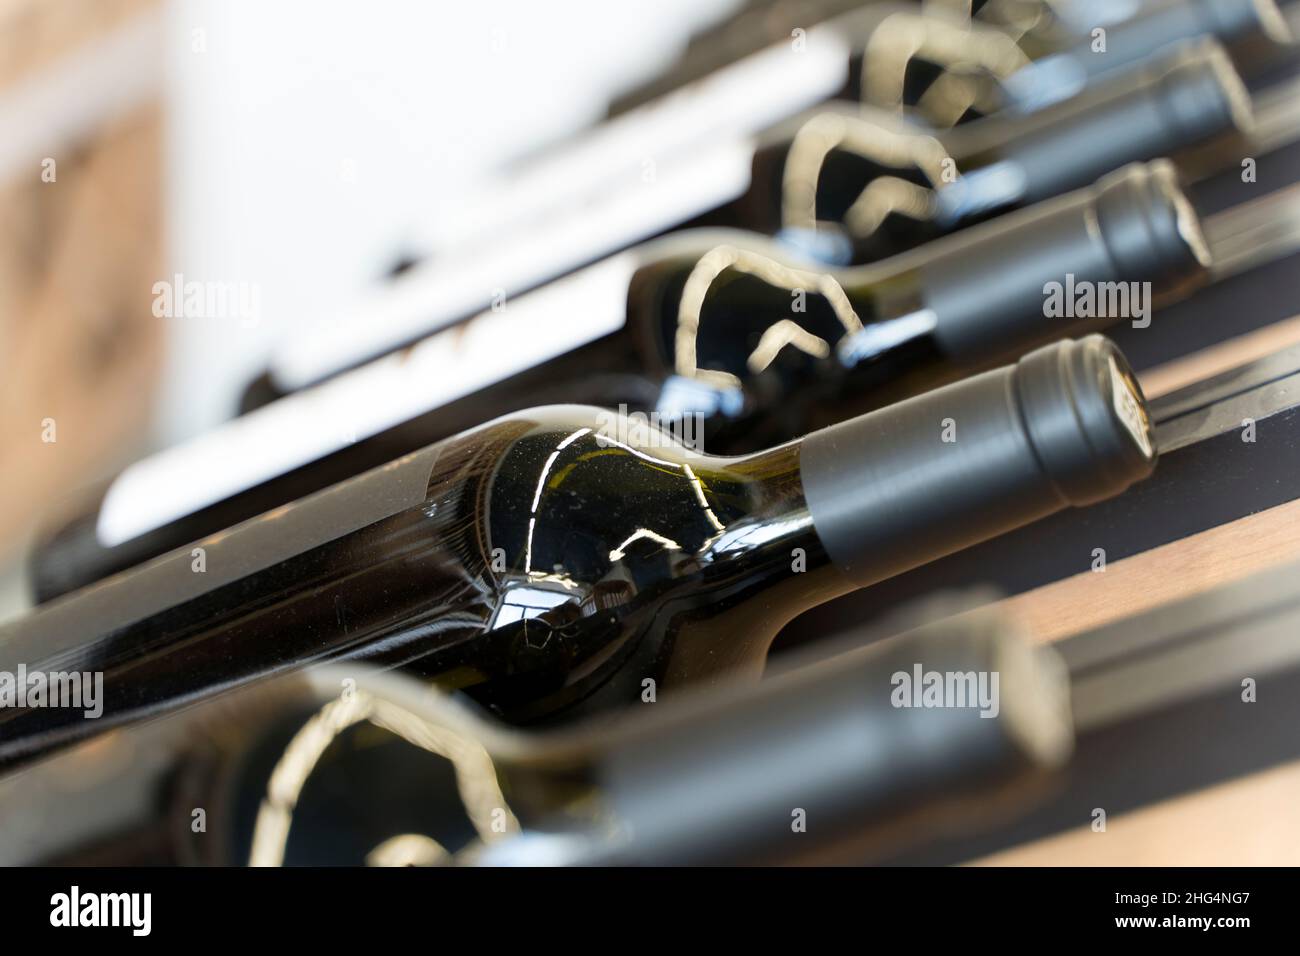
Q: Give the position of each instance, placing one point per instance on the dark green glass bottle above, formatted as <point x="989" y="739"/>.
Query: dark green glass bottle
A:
<point x="565" y="560"/>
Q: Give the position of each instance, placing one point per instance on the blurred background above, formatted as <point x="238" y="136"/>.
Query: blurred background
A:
<point x="313" y="156"/>
<point x="307" y="149"/>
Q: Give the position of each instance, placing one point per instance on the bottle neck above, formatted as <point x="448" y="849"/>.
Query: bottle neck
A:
<point x="555" y="560"/>
<point x="744" y="331"/>
<point x="1122" y="245"/>
<point x="736" y="318"/>
<point x="925" y="477"/>
<point x="1186" y="97"/>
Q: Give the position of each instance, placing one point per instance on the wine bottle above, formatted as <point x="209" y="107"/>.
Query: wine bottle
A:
<point x="526" y="227"/>
<point x="703" y="127"/>
<point x="697" y="329"/>
<point x="840" y="184"/>
<point x="837" y="184"/>
<point x="872" y="335"/>
<point x="1134" y="32"/>
<point x="343" y="766"/>
<point x="1257" y="32"/>
<point x="562" y="561"/>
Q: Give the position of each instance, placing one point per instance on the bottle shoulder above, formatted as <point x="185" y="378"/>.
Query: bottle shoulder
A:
<point x="590" y="526"/>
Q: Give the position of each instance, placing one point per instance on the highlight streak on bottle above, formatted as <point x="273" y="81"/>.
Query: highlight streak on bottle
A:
<point x="476" y="776"/>
<point x="698" y="488"/>
<point x="778" y="336"/>
<point x="830" y="131"/>
<point x="408" y="849"/>
<point x="902" y="36"/>
<point x="642" y="534"/>
<point x="537" y="495"/>
<point x="696" y="484"/>
<point x="619" y="552"/>
<point x="719" y="260"/>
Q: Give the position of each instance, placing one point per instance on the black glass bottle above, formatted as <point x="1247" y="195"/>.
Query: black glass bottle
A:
<point x="843" y="184"/>
<point x="563" y="560"/>
<point x="345" y="766"/>
<point x="844" y="179"/>
<point x="713" y="332"/>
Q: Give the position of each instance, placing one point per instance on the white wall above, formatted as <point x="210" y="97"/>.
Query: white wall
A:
<point x="310" y="139"/>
